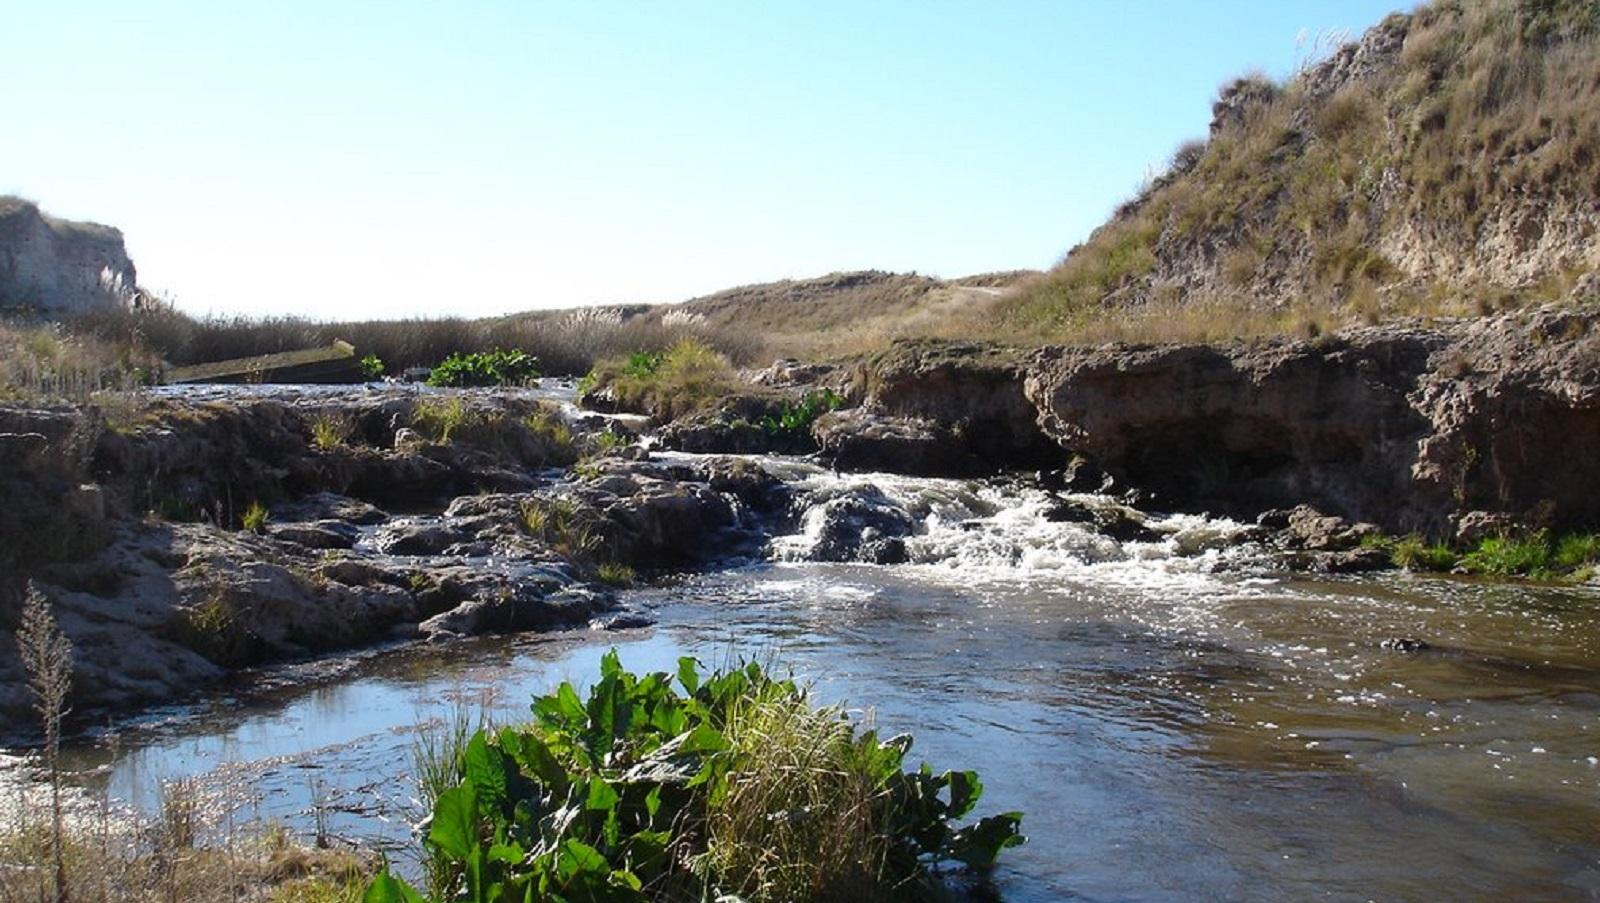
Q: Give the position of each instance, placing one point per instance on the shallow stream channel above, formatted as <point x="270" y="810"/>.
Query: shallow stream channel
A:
<point x="1176" y="722"/>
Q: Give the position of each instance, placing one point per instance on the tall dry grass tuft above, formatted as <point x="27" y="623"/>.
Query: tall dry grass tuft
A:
<point x="46" y="655"/>
<point x="801" y="819"/>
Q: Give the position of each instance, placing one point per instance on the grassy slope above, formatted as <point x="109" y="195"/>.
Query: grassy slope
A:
<point x="1445" y="164"/>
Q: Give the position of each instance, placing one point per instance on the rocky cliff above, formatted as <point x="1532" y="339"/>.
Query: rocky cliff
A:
<point x="55" y="267"/>
<point x="1414" y="428"/>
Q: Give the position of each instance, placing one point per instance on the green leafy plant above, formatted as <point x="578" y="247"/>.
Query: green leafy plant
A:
<point x="794" y="419"/>
<point x="729" y="785"/>
<point x="486" y="368"/>
<point x="372" y="367"/>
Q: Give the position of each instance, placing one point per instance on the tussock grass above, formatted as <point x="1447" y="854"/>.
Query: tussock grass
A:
<point x="1488" y="105"/>
<point x="687" y="377"/>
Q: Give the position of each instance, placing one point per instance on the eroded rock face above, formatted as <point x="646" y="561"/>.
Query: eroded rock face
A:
<point x="1403" y="427"/>
<point x="969" y="394"/>
<point x="56" y="267"/>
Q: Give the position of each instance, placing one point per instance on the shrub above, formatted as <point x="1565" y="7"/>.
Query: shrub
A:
<point x="486" y="368"/>
<point x="372" y="367"/>
<point x="645" y="792"/>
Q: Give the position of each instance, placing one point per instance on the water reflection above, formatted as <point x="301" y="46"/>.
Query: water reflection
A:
<point x="1202" y="736"/>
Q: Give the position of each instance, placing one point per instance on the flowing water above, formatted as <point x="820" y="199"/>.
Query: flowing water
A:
<point x="1175" y="724"/>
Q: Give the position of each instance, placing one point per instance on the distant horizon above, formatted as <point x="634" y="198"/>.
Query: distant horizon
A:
<point x="370" y="162"/>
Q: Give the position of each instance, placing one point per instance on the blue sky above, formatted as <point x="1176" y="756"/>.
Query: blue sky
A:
<point x="362" y="159"/>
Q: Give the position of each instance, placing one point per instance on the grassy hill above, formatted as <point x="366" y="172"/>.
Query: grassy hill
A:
<point x="1445" y="163"/>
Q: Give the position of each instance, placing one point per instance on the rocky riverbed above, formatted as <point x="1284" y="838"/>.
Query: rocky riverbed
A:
<point x="185" y="534"/>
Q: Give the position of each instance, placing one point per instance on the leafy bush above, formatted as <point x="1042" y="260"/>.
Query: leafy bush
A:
<point x="729" y="784"/>
<point x="372" y="367"/>
<point x="485" y="368"/>
<point x="795" y="417"/>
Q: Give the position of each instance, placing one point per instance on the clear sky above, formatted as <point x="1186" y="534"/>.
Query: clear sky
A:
<point x="357" y="159"/>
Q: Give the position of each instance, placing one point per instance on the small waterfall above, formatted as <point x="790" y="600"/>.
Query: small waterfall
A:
<point x="988" y="528"/>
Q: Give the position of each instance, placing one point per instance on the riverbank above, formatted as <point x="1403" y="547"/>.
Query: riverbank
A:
<point x="183" y="535"/>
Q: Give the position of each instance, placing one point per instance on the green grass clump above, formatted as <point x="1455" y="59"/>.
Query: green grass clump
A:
<point x="615" y="573"/>
<point x="547" y="424"/>
<point x="254" y="518"/>
<point x="331" y="430"/>
<point x="486" y="368"/>
<point x="687" y="377"/>
<point x="441" y="418"/>
<point x="1532" y="555"/>
<point x="692" y="786"/>
<point x="1417" y="554"/>
<point x="563" y="525"/>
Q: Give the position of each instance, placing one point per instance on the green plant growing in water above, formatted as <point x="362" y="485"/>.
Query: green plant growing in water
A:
<point x="372" y="367"/>
<point x="794" y="419"/>
<point x="486" y="368"/>
<point x="254" y="519"/>
<point x="730" y="785"/>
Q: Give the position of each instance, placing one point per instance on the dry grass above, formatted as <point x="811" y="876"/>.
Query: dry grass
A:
<point x="1489" y="105"/>
<point x="825" y="842"/>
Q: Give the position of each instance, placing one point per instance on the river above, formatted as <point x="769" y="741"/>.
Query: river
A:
<point x="1175" y="722"/>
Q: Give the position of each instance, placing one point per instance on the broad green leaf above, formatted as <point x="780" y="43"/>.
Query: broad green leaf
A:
<point x="385" y="888"/>
<point x="486" y="771"/>
<point x="455" y="822"/>
<point x="610" y="664"/>
<point x="601" y="796"/>
<point x="688" y="674"/>
<point x="978" y="845"/>
<point x="577" y="857"/>
<point x="965" y="790"/>
<point x="703" y="739"/>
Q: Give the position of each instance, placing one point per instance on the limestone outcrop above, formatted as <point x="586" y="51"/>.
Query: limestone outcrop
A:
<point x="55" y="268"/>
<point x="1410" y="427"/>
